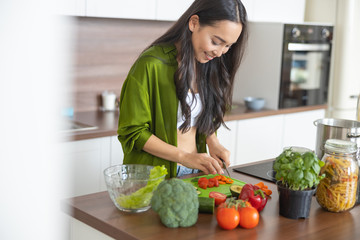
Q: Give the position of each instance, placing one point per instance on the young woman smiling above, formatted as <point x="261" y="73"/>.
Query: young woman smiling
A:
<point x="178" y="90"/>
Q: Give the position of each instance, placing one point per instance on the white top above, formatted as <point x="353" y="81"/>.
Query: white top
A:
<point x="195" y="106"/>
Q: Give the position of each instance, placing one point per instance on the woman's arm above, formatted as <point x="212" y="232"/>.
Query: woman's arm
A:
<point x="217" y="150"/>
<point x="202" y="161"/>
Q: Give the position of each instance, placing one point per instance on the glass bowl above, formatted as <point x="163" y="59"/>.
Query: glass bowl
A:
<point x="129" y="186"/>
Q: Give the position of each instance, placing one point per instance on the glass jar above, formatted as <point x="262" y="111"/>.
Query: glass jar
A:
<point x="337" y="191"/>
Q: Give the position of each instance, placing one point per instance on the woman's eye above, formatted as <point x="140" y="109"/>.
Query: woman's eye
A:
<point x="215" y="43"/>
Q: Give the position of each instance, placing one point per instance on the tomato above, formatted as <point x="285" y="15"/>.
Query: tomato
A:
<point x="213" y="182"/>
<point x="203" y="182"/>
<point x="227" y="218"/>
<point x="249" y="217"/>
<point x="219" y="197"/>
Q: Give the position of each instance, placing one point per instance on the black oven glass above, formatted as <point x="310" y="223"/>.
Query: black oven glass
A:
<point x="305" y="65"/>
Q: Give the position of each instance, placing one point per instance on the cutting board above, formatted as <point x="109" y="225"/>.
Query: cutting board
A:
<point x="225" y="188"/>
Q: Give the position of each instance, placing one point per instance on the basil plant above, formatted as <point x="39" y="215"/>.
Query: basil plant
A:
<point x="298" y="171"/>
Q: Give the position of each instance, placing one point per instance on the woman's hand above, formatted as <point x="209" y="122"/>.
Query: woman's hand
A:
<point x="201" y="161"/>
<point x="218" y="151"/>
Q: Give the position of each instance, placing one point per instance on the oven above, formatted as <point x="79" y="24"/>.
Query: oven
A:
<point x="287" y="64"/>
<point x="305" y="65"/>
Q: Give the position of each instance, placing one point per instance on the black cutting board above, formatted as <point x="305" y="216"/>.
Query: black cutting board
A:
<point x="261" y="170"/>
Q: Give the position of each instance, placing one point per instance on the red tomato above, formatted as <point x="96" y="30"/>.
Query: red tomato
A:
<point x="214" y="182"/>
<point x="219" y="197"/>
<point x="203" y="182"/>
<point x="227" y="218"/>
<point x="249" y="217"/>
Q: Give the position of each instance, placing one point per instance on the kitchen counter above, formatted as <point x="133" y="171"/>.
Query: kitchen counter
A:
<point x="107" y="122"/>
<point x="98" y="211"/>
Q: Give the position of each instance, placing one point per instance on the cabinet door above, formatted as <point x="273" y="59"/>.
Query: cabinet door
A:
<point x="71" y="7"/>
<point x="135" y="9"/>
<point x="116" y="152"/>
<point x="228" y="138"/>
<point x="299" y="128"/>
<point x="85" y="161"/>
<point x="278" y="10"/>
<point x="171" y="9"/>
<point x="259" y="139"/>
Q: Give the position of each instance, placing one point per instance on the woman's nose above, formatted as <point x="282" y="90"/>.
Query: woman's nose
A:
<point x="220" y="51"/>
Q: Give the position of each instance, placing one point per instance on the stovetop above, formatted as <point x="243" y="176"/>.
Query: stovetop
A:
<point x="261" y="170"/>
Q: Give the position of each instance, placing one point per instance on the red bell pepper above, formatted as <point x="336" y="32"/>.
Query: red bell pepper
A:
<point x="254" y="195"/>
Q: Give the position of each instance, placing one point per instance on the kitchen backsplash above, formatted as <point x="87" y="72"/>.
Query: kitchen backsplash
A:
<point x="105" y="50"/>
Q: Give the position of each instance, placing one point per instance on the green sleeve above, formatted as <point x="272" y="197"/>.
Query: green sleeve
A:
<point x="135" y="113"/>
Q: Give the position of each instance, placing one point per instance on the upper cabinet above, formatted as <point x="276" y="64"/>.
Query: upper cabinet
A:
<point x="72" y="7"/>
<point x="171" y="10"/>
<point x="275" y="10"/>
<point x="135" y="9"/>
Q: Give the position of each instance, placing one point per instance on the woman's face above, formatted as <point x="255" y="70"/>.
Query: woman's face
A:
<point x="213" y="41"/>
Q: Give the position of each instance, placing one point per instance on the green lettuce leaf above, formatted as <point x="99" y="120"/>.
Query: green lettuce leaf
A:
<point x="142" y="197"/>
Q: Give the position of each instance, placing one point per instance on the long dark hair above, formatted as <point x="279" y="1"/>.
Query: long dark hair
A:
<point x="215" y="78"/>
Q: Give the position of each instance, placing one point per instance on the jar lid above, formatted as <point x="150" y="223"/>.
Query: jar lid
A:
<point x="342" y="146"/>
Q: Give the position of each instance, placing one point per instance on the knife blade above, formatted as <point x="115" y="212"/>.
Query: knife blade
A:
<point x="224" y="166"/>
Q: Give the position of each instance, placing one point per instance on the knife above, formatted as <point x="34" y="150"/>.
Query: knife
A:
<point x="224" y="166"/>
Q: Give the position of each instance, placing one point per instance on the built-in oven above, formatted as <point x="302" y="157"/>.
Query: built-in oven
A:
<point x="305" y="65"/>
<point x="287" y="64"/>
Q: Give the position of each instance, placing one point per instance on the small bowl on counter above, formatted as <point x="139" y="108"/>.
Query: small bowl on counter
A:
<point x="254" y="103"/>
<point x="131" y="186"/>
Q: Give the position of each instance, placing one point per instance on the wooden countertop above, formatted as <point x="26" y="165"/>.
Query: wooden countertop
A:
<point x="98" y="211"/>
<point x="107" y="122"/>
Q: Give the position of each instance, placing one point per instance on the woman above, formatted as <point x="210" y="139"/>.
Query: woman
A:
<point x="177" y="92"/>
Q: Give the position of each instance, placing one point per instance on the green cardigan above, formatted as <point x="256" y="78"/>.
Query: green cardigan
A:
<point x="148" y="105"/>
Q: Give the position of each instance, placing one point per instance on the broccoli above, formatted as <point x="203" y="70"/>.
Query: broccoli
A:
<point x="176" y="202"/>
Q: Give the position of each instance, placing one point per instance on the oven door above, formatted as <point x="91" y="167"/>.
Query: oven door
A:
<point x="304" y="74"/>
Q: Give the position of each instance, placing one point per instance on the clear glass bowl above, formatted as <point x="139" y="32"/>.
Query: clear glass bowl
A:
<point x="129" y="186"/>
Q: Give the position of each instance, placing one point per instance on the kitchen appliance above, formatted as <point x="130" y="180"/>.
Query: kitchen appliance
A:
<point x="263" y="170"/>
<point x="287" y="64"/>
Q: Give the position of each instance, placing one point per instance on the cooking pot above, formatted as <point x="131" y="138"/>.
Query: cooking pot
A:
<point x="330" y="128"/>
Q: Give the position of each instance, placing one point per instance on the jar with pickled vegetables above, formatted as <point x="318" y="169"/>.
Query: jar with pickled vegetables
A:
<point x="337" y="191"/>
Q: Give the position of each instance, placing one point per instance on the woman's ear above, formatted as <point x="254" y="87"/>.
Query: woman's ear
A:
<point x="193" y="22"/>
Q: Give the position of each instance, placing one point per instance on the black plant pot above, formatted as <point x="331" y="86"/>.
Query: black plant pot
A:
<point x="294" y="204"/>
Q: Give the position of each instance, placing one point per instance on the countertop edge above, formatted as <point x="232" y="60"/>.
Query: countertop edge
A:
<point x="106" y="130"/>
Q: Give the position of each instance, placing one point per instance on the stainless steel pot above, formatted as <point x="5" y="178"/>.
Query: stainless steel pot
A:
<point x="330" y="128"/>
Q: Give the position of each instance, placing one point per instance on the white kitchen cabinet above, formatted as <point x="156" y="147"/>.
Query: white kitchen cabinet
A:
<point x="299" y="129"/>
<point x="228" y="138"/>
<point x="71" y="7"/>
<point x="171" y="9"/>
<point x="116" y="152"/>
<point x="264" y="138"/>
<point x="276" y="10"/>
<point x="259" y="139"/>
<point x="86" y="161"/>
<point x="135" y="9"/>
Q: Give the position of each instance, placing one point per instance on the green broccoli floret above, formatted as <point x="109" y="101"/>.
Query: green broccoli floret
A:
<point x="176" y="202"/>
